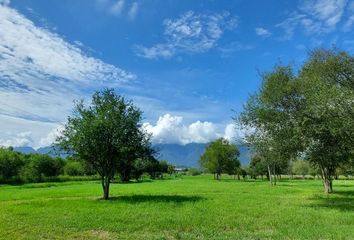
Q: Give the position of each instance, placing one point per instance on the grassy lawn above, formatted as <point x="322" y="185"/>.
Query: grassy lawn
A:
<point x="188" y="208"/>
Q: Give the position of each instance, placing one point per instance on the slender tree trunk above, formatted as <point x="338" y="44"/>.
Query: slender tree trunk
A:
<point x="270" y="176"/>
<point x="238" y="176"/>
<point x="105" y="185"/>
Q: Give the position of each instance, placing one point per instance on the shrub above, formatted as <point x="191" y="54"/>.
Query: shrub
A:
<point x="39" y="166"/>
<point x="74" y="168"/>
<point x="11" y="164"/>
<point x="194" y="171"/>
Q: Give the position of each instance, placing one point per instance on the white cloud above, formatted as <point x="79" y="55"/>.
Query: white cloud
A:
<point x="171" y="129"/>
<point x="263" y="32"/>
<point x="133" y="10"/>
<point x="40" y="76"/>
<point x="120" y="8"/>
<point x="314" y="16"/>
<point x="117" y="7"/>
<point x="51" y="136"/>
<point x="190" y="33"/>
<point x="21" y="139"/>
<point x="21" y="132"/>
<point x="348" y="24"/>
<point x="41" y="73"/>
<point x="350" y="21"/>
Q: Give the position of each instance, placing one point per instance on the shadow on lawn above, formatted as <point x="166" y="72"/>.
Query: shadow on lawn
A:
<point x="156" y="198"/>
<point x="340" y="200"/>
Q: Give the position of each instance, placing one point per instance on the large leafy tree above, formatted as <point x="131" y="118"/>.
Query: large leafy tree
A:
<point x="308" y="115"/>
<point x="107" y="135"/>
<point x="220" y="156"/>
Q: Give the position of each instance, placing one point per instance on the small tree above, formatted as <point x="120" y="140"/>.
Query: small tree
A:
<point x="258" y="166"/>
<point x="11" y="163"/>
<point x="107" y="135"/>
<point x="220" y="156"/>
<point x="301" y="167"/>
<point x="39" y="166"/>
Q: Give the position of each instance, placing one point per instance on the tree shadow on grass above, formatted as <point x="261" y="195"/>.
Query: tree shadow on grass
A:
<point x="155" y="198"/>
<point x="341" y="200"/>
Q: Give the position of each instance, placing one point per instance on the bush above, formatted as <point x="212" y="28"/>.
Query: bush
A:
<point x="39" y="166"/>
<point x="11" y="164"/>
<point x="194" y="171"/>
<point x="74" y="168"/>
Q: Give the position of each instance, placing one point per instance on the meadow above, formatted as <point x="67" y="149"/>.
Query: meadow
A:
<point x="190" y="207"/>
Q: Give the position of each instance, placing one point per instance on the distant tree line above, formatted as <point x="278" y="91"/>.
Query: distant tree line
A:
<point x="16" y="167"/>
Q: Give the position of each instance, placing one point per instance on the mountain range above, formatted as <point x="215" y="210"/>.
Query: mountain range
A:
<point x="180" y="155"/>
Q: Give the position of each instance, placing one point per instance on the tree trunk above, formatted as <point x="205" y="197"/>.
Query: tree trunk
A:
<point x="105" y="185"/>
<point x="326" y="180"/>
<point x="327" y="186"/>
<point x="238" y="176"/>
<point x="270" y="176"/>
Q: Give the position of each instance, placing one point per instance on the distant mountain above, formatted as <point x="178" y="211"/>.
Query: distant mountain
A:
<point x="25" y="150"/>
<point x="189" y="154"/>
<point x="43" y="150"/>
<point x="180" y="155"/>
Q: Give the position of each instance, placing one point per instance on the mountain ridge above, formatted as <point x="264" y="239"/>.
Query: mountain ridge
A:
<point x="187" y="155"/>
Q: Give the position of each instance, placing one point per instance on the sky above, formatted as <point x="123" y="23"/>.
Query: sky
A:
<point x="188" y="65"/>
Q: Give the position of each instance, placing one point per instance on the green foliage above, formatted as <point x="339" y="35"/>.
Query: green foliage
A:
<point x="108" y="135"/>
<point x="301" y="167"/>
<point x="39" y="166"/>
<point x="194" y="171"/>
<point x="74" y="168"/>
<point x="221" y="156"/>
<point x="309" y="114"/>
<point x="258" y="166"/>
<point x="11" y="164"/>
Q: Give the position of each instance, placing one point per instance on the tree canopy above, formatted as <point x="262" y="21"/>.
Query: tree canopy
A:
<point x="308" y="114"/>
<point x="108" y="135"/>
<point x="220" y="156"/>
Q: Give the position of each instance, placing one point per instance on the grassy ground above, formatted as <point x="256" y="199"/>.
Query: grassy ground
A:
<point x="188" y="208"/>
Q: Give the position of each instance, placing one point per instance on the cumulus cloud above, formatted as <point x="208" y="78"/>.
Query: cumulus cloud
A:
<point x="314" y="16"/>
<point x="41" y="73"/>
<point x="171" y="129"/>
<point x="51" y="136"/>
<point x="263" y="32"/>
<point x="190" y="33"/>
<point x="21" y="139"/>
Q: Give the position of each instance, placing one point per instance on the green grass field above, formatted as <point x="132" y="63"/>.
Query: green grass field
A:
<point x="184" y="208"/>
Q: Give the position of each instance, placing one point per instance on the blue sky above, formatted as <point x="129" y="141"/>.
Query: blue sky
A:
<point x="186" y="64"/>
